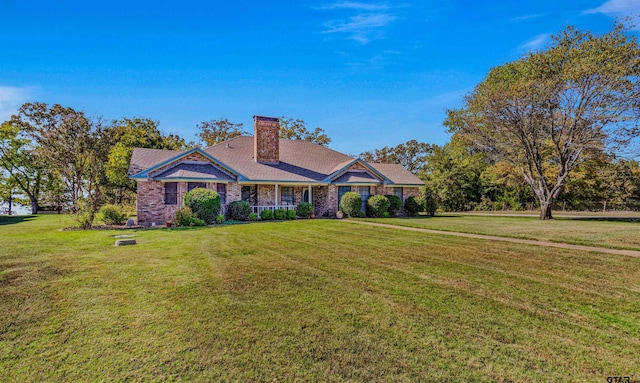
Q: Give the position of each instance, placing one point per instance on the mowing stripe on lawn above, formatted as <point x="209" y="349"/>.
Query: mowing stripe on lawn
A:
<point x="630" y="253"/>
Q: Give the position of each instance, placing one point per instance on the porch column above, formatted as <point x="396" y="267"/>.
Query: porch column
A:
<point x="276" y="201"/>
<point x="310" y="196"/>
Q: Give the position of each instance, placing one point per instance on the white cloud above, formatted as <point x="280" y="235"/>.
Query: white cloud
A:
<point x="357" y="20"/>
<point x="11" y="98"/>
<point x="525" y="17"/>
<point x="361" y="28"/>
<point x="535" y="43"/>
<point x="617" y="8"/>
<point x="356" y="5"/>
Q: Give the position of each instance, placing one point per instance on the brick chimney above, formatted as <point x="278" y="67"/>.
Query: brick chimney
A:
<point x="266" y="140"/>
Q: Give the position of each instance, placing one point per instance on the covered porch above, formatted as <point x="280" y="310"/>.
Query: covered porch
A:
<point x="272" y="196"/>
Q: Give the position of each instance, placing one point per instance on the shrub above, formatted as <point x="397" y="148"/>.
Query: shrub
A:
<point x="350" y="204"/>
<point x="361" y="214"/>
<point x="204" y="203"/>
<point x="395" y="204"/>
<point x="185" y="217"/>
<point x="377" y="205"/>
<point x="239" y="210"/>
<point x="280" y="214"/>
<point x="113" y="215"/>
<point x="85" y="215"/>
<point x="266" y="215"/>
<point x="253" y="217"/>
<point x="386" y="215"/>
<point x="220" y="219"/>
<point x="304" y="210"/>
<point x="291" y="214"/>
<point x="412" y="207"/>
<point x="429" y="202"/>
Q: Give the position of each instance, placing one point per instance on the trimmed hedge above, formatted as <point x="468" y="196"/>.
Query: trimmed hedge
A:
<point x="377" y="205"/>
<point x="266" y="215"/>
<point x="350" y="204"/>
<point x="204" y="203"/>
<point x="254" y="217"/>
<point x="239" y="210"/>
<point x="280" y="214"/>
<point x="220" y="219"/>
<point x="304" y="210"/>
<point x="291" y="214"/>
<point x="395" y="204"/>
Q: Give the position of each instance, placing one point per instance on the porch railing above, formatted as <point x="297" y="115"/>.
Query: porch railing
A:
<point x="258" y="209"/>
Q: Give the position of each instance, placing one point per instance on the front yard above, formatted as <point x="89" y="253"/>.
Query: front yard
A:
<point x="308" y="300"/>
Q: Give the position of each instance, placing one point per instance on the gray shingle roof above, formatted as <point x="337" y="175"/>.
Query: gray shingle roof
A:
<point x="142" y="159"/>
<point x="300" y="161"/>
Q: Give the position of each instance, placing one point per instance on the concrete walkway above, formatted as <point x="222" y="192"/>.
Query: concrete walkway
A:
<point x="630" y="253"/>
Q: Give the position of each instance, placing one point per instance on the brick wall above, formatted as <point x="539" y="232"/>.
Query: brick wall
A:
<point x="266" y="139"/>
<point x="152" y="209"/>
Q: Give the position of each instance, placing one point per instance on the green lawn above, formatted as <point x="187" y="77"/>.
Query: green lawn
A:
<point x="619" y="233"/>
<point x="308" y="300"/>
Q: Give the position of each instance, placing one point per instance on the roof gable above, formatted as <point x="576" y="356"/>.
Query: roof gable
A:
<point x="348" y="170"/>
<point x="144" y="174"/>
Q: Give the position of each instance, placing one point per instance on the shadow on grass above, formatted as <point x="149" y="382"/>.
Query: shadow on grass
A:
<point x="423" y="216"/>
<point x="10" y="220"/>
<point x="604" y="219"/>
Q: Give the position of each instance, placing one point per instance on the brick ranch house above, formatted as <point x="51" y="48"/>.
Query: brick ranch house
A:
<point x="265" y="170"/>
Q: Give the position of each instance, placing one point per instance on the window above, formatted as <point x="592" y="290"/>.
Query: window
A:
<point x="305" y="196"/>
<point x="193" y="185"/>
<point x="287" y="195"/>
<point x="171" y="193"/>
<point x="364" y="194"/>
<point x="246" y="193"/>
<point x="222" y="192"/>
<point x="397" y="192"/>
<point x="341" y="191"/>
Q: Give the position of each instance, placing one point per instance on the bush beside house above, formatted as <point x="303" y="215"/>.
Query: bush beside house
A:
<point x="377" y="205"/>
<point x="350" y="204"/>
<point x="204" y="203"/>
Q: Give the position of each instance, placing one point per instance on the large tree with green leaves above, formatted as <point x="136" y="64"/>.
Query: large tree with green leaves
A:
<point x="296" y="129"/>
<point x="19" y="167"/>
<point x="215" y="131"/>
<point x="126" y="134"/>
<point x="552" y="110"/>
<point x="412" y="155"/>
<point x="70" y="147"/>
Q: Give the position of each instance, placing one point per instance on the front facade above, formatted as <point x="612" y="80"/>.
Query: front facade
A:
<point x="264" y="170"/>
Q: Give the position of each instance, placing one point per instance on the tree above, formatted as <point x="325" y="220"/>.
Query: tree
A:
<point x="297" y="130"/>
<point x="412" y="155"/>
<point x="452" y="175"/>
<point x="126" y="134"/>
<point x="19" y="166"/>
<point x="552" y="110"/>
<point x="68" y="146"/>
<point x="215" y="131"/>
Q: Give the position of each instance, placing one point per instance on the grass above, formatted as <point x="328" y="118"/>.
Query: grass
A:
<point x="616" y="233"/>
<point x="308" y="300"/>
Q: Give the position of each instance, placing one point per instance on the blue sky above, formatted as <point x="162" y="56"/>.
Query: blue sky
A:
<point x="371" y="74"/>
